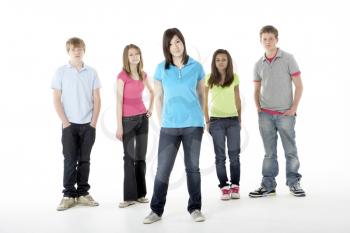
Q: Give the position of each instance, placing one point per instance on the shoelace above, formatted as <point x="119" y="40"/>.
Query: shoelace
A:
<point x="296" y="186"/>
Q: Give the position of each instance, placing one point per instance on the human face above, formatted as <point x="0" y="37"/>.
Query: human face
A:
<point x="76" y="54"/>
<point x="221" y="62"/>
<point x="176" y="47"/>
<point x="269" y="41"/>
<point x="134" y="56"/>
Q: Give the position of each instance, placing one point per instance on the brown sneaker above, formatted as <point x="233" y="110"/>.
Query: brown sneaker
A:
<point x="66" y="203"/>
<point x="87" y="200"/>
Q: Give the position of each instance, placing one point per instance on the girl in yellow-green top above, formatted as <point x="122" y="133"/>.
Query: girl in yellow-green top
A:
<point x="224" y="123"/>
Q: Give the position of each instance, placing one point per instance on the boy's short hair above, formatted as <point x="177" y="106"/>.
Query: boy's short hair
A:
<point x="75" y="42"/>
<point x="269" y="29"/>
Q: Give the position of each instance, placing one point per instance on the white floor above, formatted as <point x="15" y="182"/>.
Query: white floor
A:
<point x="318" y="212"/>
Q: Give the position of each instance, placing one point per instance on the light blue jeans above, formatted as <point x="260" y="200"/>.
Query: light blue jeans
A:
<point x="269" y="125"/>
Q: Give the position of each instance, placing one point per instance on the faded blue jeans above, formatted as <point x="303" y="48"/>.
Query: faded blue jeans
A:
<point x="222" y="129"/>
<point x="169" y="143"/>
<point x="269" y="125"/>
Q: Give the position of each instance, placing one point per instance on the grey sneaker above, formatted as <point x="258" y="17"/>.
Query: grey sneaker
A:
<point x="296" y="190"/>
<point x="142" y="200"/>
<point x="262" y="192"/>
<point x="151" y="218"/>
<point x="198" y="216"/>
<point x="66" y="203"/>
<point x="126" y="204"/>
<point x="87" y="200"/>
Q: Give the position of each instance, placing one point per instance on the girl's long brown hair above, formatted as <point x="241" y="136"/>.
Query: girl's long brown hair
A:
<point x="215" y="76"/>
<point x="126" y="63"/>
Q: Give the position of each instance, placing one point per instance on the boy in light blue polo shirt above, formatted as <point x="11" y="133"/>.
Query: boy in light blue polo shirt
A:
<point x="77" y="103"/>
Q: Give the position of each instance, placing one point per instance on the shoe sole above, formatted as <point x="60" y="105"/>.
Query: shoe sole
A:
<point x="298" y="195"/>
<point x="127" y="205"/>
<point x="199" y="220"/>
<point x="264" y="195"/>
<point x="139" y="201"/>
<point x="91" y="205"/>
<point x="62" y="209"/>
<point x="150" y="222"/>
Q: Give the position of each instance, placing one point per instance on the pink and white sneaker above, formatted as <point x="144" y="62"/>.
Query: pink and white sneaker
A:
<point x="225" y="193"/>
<point x="234" y="191"/>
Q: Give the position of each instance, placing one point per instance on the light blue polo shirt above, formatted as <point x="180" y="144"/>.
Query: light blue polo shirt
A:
<point x="77" y="91"/>
<point x="181" y="107"/>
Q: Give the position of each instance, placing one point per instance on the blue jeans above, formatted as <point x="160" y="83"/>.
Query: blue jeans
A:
<point x="269" y="125"/>
<point x="222" y="129"/>
<point x="169" y="143"/>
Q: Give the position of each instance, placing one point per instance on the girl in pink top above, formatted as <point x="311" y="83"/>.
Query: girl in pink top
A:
<point x="132" y="121"/>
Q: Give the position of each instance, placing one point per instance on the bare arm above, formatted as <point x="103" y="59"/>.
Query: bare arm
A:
<point x="120" y="93"/>
<point x="297" y="95"/>
<point x="96" y="108"/>
<point x="206" y="106"/>
<point x="151" y="97"/>
<point x="238" y="102"/>
<point x="159" y="95"/>
<point x="257" y="87"/>
<point x="59" y="108"/>
<point x="201" y="93"/>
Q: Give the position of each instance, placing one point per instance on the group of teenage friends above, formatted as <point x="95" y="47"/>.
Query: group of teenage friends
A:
<point x="188" y="102"/>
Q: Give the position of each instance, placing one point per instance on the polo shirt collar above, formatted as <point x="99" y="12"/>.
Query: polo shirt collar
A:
<point x="278" y="54"/>
<point x="69" y="65"/>
<point x="189" y="62"/>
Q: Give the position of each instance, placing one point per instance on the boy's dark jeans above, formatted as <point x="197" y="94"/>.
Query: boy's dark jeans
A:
<point x="77" y="141"/>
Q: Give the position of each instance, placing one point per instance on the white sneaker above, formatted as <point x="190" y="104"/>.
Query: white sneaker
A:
<point x="151" y="218"/>
<point x="126" y="204"/>
<point x="142" y="200"/>
<point x="198" y="216"/>
<point x="66" y="203"/>
<point x="87" y="200"/>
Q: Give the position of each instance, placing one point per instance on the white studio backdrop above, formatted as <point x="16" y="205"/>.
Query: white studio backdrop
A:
<point x="32" y="46"/>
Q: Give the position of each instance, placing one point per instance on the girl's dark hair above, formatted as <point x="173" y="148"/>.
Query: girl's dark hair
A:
<point x="215" y="76"/>
<point x="167" y="36"/>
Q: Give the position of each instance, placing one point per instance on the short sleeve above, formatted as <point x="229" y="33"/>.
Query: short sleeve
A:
<point x="293" y="66"/>
<point x="256" y="75"/>
<point x="97" y="82"/>
<point x="158" y="75"/>
<point x="201" y="72"/>
<point x="122" y="76"/>
<point x="57" y="80"/>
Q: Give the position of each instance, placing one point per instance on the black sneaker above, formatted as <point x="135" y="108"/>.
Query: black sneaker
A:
<point x="262" y="192"/>
<point x="296" y="190"/>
